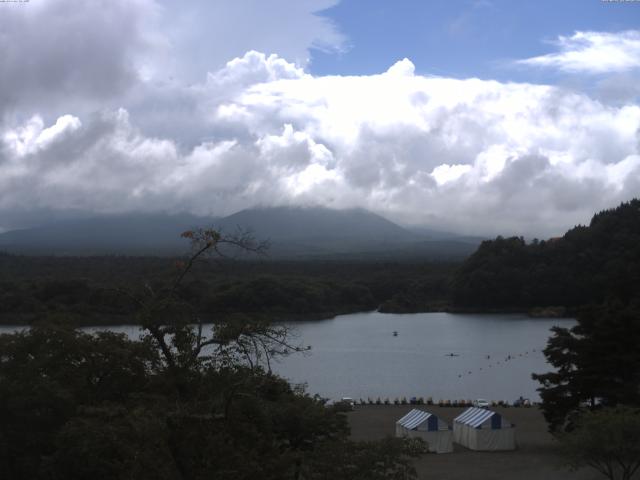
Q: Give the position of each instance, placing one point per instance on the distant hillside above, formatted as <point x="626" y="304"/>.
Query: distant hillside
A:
<point x="589" y="264"/>
<point x="139" y="234"/>
<point x="323" y="233"/>
<point x="300" y="224"/>
<point x="318" y="231"/>
<point x="293" y="232"/>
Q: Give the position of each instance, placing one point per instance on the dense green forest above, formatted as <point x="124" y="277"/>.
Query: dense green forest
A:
<point x="589" y="264"/>
<point x="97" y="290"/>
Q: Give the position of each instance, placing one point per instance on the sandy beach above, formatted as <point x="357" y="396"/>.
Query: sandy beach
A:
<point x="536" y="457"/>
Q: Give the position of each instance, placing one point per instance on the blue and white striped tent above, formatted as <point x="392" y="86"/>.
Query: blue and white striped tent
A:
<point x="482" y="429"/>
<point x="427" y="426"/>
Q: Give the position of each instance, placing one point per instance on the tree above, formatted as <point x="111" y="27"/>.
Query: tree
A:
<point x="587" y="264"/>
<point x="47" y="375"/>
<point x="597" y="363"/>
<point x="180" y="403"/>
<point x="606" y="440"/>
<point x="388" y="459"/>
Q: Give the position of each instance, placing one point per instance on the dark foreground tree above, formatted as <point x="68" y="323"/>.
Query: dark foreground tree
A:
<point x="389" y="459"/>
<point x="179" y="403"/>
<point x="597" y="364"/>
<point x="607" y="440"/>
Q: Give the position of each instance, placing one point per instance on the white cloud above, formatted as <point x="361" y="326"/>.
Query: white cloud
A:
<point x="64" y="55"/>
<point x="254" y="67"/>
<point x="203" y="35"/>
<point x="448" y="173"/>
<point x="470" y="155"/>
<point x="136" y="105"/>
<point x="592" y="52"/>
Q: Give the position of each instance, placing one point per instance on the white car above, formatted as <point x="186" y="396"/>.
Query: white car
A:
<point x="481" y="403"/>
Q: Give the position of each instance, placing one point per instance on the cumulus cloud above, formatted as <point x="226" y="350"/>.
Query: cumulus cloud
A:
<point x="592" y="52"/>
<point x="470" y="155"/>
<point x="63" y="55"/>
<point x="203" y="35"/>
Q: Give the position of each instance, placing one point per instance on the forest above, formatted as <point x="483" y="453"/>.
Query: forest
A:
<point x="587" y="265"/>
<point x="94" y="290"/>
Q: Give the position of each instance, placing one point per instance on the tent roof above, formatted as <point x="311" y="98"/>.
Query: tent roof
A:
<point x="414" y="418"/>
<point x="474" y="417"/>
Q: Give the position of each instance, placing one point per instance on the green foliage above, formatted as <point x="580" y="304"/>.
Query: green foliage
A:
<point x="113" y="442"/>
<point x="389" y="459"/>
<point x="180" y="403"/>
<point x="47" y="374"/>
<point x="80" y="406"/>
<point x="88" y="288"/>
<point x="597" y="362"/>
<point x="606" y="440"/>
<point x="282" y="296"/>
<point x="587" y="265"/>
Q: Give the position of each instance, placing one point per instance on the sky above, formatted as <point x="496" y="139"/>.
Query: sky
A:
<point x="481" y="117"/>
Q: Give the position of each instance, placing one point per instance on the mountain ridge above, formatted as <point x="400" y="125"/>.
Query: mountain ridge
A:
<point x="293" y="232"/>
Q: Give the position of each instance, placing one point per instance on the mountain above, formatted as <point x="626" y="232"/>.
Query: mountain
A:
<point x="308" y="223"/>
<point x="136" y="234"/>
<point x="291" y="231"/>
<point x="295" y="231"/>
<point x="325" y="233"/>
<point x="438" y="235"/>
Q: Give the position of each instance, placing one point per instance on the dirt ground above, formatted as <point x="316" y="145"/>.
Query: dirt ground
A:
<point x="534" y="459"/>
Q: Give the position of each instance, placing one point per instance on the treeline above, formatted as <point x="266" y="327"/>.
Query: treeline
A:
<point x="588" y="265"/>
<point x="100" y="290"/>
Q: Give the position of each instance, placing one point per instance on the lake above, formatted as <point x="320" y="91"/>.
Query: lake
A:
<point x="358" y="356"/>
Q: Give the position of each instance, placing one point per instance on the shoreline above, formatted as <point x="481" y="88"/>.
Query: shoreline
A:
<point x="106" y="320"/>
<point x="536" y="456"/>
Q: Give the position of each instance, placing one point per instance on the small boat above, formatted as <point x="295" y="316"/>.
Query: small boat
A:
<point x="395" y="334"/>
<point x="451" y="355"/>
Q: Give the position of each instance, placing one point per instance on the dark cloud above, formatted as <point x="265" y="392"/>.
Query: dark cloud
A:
<point x="63" y="53"/>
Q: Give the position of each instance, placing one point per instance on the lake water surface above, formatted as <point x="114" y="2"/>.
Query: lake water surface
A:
<point x="357" y="355"/>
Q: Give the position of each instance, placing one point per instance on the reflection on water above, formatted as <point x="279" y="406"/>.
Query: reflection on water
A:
<point x="357" y="355"/>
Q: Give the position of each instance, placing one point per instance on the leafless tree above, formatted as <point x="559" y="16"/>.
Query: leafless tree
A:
<point x="179" y="331"/>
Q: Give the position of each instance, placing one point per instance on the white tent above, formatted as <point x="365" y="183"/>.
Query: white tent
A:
<point x="481" y="429"/>
<point x="425" y="425"/>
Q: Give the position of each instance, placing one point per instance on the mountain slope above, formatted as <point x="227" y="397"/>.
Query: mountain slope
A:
<point x="303" y="223"/>
<point x="317" y="231"/>
<point x="343" y="234"/>
<point x="293" y="232"/>
<point x="157" y="234"/>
